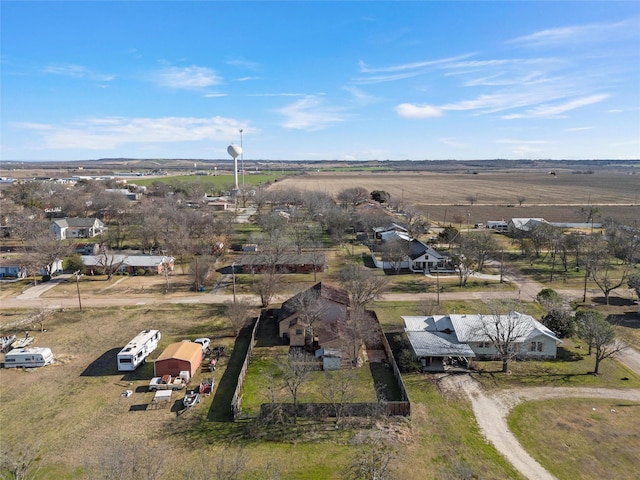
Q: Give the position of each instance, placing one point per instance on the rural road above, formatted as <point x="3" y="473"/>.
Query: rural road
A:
<point x="491" y="413"/>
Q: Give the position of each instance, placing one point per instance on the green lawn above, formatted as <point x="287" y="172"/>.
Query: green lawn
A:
<point x="578" y="438"/>
<point x="571" y="369"/>
<point x="215" y="182"/>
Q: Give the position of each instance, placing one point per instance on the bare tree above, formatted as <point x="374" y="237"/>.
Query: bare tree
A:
<point x="352" y="197"/>
<point x="634" y="283"/>
<point x="417" y="223"/>
<point x="19" y="463"/>
<point x="338" y="388"/>
<point x="40" y="315"/>
<point x="598" y="333"/>
<point x="504" y="327"/>
<point x="396" y="251"/>
<point x="463" y="266"/>
<point x="295" y="370"/>
<point x="238" y="313"/>
<point x="363" y="285"/>
<point x="267" y="287"/>
<point x="109" y="262"/>
<point x="309" y="308"/>
<point x="373" y="461"/>
<point x="521" y="199"/>
<point x="479" y="246"/>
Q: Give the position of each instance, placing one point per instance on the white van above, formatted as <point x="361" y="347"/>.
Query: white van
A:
<point x="28" y="357"/>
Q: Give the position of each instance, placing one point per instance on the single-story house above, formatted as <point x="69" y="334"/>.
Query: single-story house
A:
<point x="63" y="228"/>
<point x="178" y="357"/>
<point x="287" y="263"/>
<point x="128" y="263"/>
<point x="419" y="256"/>
<point x="521" y="225"/>
<point x="437" y="339"/>
<point x="12" y="268"/>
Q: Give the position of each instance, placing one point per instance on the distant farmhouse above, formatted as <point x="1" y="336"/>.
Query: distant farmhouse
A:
<point x="417" y="256"/>
<point x="439" y="340"/>
<point x="131" y="264"/>
<point x="64" y="228"/>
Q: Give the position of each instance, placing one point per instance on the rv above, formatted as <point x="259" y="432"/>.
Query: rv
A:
<point x="28" y="357"/>
<point x="137" y="350"/>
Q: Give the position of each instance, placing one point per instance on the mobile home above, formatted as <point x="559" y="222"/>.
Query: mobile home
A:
<point x="137" y="350"/>
<point x="28" y="357"/>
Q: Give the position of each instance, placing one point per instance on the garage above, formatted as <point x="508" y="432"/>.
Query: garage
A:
<point x="177" y="358"/>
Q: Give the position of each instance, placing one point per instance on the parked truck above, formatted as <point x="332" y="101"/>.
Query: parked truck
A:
<point x="167" y="382"/>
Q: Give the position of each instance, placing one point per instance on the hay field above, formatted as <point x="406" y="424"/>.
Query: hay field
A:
<point x="492" y="196"/>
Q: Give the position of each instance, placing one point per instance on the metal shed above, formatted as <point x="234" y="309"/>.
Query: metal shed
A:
<point x="179" y="357"/>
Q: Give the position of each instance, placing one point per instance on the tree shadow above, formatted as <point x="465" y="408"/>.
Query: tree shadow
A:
<point x="220" y="410"/>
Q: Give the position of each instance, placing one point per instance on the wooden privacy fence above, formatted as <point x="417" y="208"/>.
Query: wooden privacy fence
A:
<point x="325" y="410"/>
<point x="237" y="394"/>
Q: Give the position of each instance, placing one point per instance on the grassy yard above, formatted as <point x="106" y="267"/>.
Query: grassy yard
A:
<point x="581" y="438"/>
<point x="571" y="369"/>
<point x="215" y="182"/>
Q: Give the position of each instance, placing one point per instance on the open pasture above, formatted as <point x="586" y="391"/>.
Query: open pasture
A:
<point x="448" y="197"/>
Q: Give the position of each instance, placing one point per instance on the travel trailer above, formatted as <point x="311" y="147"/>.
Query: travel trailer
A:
<point x="28" y="357"/>
<point x="137" y="350"/>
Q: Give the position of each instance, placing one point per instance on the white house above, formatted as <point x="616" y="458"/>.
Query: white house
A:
<point x="128" y="263"/>
<point x="419" y="257"/>
<point x="63" y="228"/>
<point x="437" y="338"/>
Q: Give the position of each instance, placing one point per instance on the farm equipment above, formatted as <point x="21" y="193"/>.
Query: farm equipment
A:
<point x="206" y="386"/>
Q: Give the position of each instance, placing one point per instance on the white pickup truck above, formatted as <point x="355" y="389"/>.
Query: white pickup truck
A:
<point x="167" y="382"/>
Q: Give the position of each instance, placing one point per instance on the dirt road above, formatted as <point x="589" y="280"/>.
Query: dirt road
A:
<point x="491" y="411"/>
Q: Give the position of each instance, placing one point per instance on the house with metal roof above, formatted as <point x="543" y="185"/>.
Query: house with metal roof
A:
<point x="419" y="257"/>
<point x="439" y="340"/>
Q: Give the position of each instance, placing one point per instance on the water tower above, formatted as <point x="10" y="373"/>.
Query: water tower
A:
<point x="235" y="151"/>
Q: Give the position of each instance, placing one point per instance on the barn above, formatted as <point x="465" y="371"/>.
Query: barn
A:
<point x="177" y="358"/>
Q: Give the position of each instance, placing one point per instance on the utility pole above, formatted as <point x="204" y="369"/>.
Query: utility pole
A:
<point x="233" y="276"/>
<point x="437" y="287"/>
<point x="78" y="275"/>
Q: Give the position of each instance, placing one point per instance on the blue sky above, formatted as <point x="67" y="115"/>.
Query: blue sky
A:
<point x="331" y="80"/>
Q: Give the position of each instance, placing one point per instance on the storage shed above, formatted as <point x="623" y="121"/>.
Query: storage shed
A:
<point x="178" y="357"/>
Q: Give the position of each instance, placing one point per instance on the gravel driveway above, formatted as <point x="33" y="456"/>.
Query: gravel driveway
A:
<point x="491" y="412"/>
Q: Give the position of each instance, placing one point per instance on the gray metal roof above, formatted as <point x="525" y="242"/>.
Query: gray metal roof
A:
<point x="428" y="344"/>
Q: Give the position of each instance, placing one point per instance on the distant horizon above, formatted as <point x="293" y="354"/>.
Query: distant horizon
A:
<point x="230" y="160"/>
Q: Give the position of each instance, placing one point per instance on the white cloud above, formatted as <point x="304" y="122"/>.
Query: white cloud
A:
<point x="577" y="129"/>
<point x="311" y="114"/>
<point x="110" y="132"/>
<point x="578" y="34"/>
<point x="409" y="110"/>
<point x="410" y="66"/>
<point x="555" y="110"/>
<point x="77" y="71"/>
<point x="187" y="77"/>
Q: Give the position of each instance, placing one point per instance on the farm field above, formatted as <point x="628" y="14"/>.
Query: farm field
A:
<point x="446" y="197"/>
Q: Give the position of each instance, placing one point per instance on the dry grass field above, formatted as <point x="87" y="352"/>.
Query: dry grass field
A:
<point x="445" y="197"/>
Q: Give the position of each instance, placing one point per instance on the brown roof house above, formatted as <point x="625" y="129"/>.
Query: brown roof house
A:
<point x="177" y="358"/>
<point x="316" y="319"/>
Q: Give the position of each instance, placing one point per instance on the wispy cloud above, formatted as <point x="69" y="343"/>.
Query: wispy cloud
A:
<point x="364" y="68"/>
<point x="409" y="110"/>
<point x="192" y="77"/>
<point x="77" y="71"/>
<point x="399" y="72"/>
<point x="311" y="114"/>
<point x="554" y="110"/>
<point x="105" y="133"/>
<point x="577" y="129"/>
<point x="578" y="34"/>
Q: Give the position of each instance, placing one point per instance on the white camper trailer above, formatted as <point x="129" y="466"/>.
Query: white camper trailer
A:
<point x="28" y="357"/>
<point x="137" y="350"/>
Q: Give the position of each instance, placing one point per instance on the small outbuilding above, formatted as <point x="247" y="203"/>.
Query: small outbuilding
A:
<point x="177" y="358"/>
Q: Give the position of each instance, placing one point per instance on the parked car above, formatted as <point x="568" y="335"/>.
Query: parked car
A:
<point x="205" y="342"/>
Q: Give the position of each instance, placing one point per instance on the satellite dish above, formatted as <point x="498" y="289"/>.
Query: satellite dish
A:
<point x="234" y="151"/>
